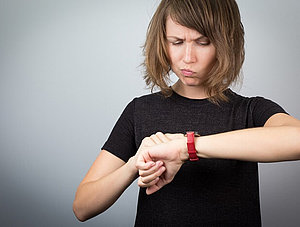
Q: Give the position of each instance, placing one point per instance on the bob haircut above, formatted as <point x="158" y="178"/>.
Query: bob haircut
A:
<point x="219" y="21"/>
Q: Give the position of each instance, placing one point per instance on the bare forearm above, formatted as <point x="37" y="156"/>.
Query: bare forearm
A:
<point x="267" y="144"/>
<point x="95" y="197"/>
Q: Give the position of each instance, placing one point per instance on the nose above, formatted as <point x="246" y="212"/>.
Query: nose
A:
<point x="189" y="55"/>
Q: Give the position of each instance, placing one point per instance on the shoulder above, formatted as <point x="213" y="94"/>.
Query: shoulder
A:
<point x="143" y="99"/>
<point x="258" y="108"/>
<point x="144" y="102"/>
<point x="250" y="101"/>
<point x="149" y="99"/>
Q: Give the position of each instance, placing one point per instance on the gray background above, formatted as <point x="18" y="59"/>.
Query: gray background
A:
<point x="69" y="67"/>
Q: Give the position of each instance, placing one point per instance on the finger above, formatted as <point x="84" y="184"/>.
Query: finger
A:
<point x="143" y="185"/>
<point x="155" y="139"/>
<point x="147" y="142"/>
<point x="151" y="170"/>
<point x="145" y="155"/>
<point x="144" y="161"/>
<point x="174" y="136"/>
<point x="144" y="166"/>
<point x="150" y="190"/>
<point x="155" y="187"/>
<point x="148" y="179"/>
<point x="162" y="137"/>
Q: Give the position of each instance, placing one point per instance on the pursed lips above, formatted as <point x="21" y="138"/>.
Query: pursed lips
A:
<point x="187" y="72"/>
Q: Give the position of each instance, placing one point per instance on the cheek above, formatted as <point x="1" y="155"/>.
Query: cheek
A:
<point x="209" y="57"/>
<point x="171" y="56"/>
<point x="174" y="54"/>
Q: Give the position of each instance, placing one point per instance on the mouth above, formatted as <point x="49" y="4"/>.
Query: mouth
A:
<point x="187" y="72"/>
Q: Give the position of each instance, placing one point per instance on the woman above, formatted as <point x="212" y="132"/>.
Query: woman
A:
<point x="202" y="42"/>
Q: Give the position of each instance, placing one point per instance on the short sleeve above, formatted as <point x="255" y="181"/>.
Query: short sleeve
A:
<point x="121" y="141"/>
<point x="263" y="109"/>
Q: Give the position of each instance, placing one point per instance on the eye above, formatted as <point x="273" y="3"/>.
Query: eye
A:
<point x="203" y="42"/>
<point x="177" y="42"/>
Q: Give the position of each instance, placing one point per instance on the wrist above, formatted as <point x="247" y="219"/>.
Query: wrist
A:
<point x="184" y="155"/>
<point x="131" y="166"/>
<point x="197" y="146"/>
<point x="201" y="145"/>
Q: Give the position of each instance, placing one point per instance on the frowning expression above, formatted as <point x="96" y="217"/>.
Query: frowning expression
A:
<point x="192" y="55"/>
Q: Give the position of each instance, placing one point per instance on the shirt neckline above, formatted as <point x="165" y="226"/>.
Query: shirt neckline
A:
<point x="184" y="100"/>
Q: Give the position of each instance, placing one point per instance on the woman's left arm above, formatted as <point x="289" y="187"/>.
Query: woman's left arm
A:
<point x="278" y="140"/>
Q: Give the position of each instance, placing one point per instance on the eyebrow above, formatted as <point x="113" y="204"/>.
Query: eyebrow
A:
<point x="177" y="38"/>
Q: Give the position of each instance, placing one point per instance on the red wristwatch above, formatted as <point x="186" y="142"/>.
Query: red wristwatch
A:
<point x="191" y="145"/>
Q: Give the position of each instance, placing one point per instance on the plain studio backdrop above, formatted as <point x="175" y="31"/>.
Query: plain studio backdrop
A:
<point x="69" y="67"/>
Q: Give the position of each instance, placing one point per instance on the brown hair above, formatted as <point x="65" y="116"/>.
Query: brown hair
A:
<point x="219" y="21"/>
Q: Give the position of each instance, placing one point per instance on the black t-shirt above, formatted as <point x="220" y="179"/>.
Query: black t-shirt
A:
<point x="209" y="192"/>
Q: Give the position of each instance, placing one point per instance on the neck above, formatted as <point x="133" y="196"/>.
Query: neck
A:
<point x="191" y="92"/>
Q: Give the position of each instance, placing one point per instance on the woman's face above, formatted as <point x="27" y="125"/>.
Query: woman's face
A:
<point x="192" y="55"/>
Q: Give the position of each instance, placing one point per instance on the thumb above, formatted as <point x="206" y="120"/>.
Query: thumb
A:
<point x="154" y="188"/>
<point x="146" y="156"/>
<point x="144" y="161"/>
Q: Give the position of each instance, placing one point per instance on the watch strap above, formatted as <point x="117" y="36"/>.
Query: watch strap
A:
<point x="191" y="145"/>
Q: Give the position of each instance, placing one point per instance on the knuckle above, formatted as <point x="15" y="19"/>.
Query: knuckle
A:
<point x="157" y="174"/>
<point x="145" y="180"/>
<point x="142" y="174"/>
<point x="146" y="139"/>
<point x="141" y="185"/>
<point x="141" y="180"/>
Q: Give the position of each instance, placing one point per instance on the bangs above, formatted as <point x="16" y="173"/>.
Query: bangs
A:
<point x="190" y="15"/>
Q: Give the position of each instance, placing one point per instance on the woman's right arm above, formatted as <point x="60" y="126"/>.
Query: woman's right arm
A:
<point x="105" y="181"/>
<point x="108" y="178"/>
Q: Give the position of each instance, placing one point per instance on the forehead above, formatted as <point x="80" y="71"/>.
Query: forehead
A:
<point x="175" y="29"/>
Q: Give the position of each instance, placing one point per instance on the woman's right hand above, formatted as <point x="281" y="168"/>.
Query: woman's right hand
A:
<point x="166" y="151"/>
<point x="151" y="170"/>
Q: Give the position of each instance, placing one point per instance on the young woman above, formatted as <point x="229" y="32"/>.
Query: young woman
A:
<point x="202" y="42"/>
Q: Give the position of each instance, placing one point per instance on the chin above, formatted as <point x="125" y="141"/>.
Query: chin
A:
<point x="191" y="81"/>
